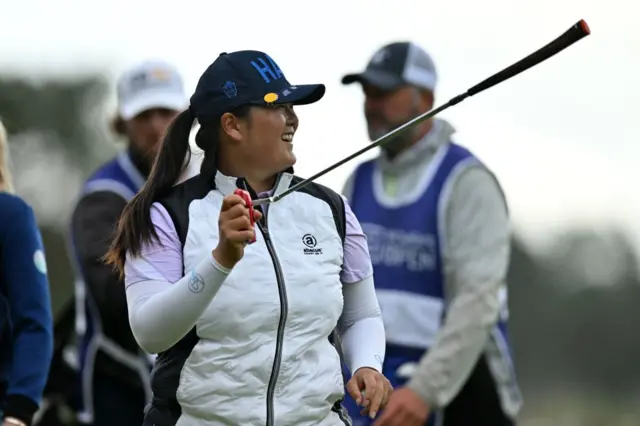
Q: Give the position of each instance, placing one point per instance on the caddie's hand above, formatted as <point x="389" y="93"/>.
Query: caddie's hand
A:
<point x="235" y="230"/>
<point x="405" y="408"/>
<point x="375" y="386"/>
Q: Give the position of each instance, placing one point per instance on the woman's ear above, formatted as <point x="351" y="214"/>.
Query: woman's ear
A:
<point x="118" y="126"/>
<point x="232" y="126"/>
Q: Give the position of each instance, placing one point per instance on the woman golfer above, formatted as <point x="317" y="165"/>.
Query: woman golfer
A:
<point x="242" y="330"/>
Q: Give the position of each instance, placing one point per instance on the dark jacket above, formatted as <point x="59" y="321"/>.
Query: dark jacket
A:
<point x="107" y="349"/>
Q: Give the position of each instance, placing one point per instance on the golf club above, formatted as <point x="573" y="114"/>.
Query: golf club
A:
<point x="573" y="34"/>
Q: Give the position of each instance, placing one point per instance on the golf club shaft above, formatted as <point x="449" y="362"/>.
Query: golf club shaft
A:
<point x="572" y="35"/>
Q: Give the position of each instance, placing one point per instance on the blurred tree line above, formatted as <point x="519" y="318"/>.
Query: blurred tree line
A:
<point x="58" y="135"/>
<point x="572" y="305"/>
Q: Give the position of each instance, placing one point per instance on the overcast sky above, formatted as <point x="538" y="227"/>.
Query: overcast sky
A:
<point x="562" y="137"/>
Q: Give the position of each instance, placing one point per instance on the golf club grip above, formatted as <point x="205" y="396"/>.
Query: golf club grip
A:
<point x="573" y="34"/>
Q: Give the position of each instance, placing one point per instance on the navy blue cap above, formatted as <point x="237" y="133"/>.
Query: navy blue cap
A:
<point x="246" y="77"/>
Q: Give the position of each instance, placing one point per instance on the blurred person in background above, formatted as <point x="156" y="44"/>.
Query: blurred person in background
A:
<point x="439" y="235"/>
<point x="26" y="323"/>
<point x="114" y="370"/>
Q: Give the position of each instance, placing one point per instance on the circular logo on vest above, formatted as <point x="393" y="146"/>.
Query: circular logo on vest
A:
<point x="40" y="261"/>
<point x="196" y="283"/>
<point x="309" y="240"/>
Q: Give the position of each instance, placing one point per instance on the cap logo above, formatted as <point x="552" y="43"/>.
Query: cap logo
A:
<point x="138" y="81"/>
<point x="230" y="90"/>
<point x="148" y="79"/>
<point x="380" y="57"/>
<point x="160" y="74"/>
<point x="268" y="69"/>
<point x="270" y="98"/>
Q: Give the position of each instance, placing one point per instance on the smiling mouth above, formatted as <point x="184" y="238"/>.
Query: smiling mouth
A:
<point x="287" y="137"/>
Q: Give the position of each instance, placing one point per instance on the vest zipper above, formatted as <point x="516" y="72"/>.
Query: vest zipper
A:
<point x="284" y="309"/>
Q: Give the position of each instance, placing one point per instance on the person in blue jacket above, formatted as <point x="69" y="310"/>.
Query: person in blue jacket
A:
<point x="26" y="323"/>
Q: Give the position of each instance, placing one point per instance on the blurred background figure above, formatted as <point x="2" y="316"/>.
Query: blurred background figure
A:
<point x="26" y="324"/>
<point x="114" y="370"/>
<point x="438" y="232"/>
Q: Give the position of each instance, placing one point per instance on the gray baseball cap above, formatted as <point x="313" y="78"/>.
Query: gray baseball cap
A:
<point x="397" y="64"/>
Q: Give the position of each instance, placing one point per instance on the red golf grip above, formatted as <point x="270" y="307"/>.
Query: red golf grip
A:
<point x="247" y="199"/>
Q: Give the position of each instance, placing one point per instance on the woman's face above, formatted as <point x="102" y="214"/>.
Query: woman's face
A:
<point x="267" y="139"/>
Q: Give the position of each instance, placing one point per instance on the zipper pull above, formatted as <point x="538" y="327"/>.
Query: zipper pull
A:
<point x="265" y="231"/>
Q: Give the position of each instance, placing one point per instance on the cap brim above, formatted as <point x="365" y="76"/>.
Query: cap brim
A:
<point x="296" y="95"/>
<point x="304" y="95"/>
<point x="147" y="101"/>
<point x="380" y="79"/>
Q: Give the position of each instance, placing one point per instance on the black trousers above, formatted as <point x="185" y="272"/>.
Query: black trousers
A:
<point x="478" y="403"/>
<point x="115" y="403"/>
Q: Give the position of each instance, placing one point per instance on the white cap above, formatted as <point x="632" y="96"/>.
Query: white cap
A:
<point x="151" y="84"/>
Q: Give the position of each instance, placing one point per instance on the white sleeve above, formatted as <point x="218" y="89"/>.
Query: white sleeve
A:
<point x="360" y="327"/>
<point x="161" y="313"/>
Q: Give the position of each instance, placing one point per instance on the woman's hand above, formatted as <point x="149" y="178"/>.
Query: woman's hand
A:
<point x="234" y="229"/>
<point x="376" y="389"/>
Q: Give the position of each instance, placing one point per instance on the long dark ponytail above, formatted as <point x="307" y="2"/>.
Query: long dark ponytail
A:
<point x="134" y="228"/>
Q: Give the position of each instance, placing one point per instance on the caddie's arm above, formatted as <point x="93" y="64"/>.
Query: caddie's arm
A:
<point x="476" y="258"/>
